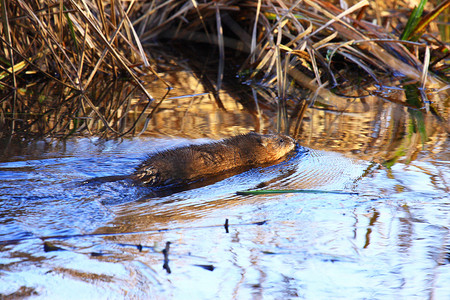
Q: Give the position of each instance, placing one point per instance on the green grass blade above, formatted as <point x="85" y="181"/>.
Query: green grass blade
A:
<point x="72" y="31"/>
<point x="413" y="20"/>
<point x="265" y="192"/>
<point x="426" y="20"/>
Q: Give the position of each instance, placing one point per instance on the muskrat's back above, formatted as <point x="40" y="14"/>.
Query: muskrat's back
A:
<point x="190" y="163"/>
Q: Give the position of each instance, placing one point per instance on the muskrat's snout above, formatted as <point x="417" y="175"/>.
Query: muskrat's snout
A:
<point x="288" y="141"/>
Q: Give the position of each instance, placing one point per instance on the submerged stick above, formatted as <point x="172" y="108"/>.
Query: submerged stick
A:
<point x="165" y="252"/>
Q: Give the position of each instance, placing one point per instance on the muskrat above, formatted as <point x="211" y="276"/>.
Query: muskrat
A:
<point x="188" y="164"/>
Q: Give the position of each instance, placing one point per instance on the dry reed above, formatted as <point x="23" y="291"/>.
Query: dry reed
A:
<point x="308" y="44"/>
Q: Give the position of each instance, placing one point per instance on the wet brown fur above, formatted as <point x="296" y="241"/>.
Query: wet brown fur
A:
<point x="187" y="164"/>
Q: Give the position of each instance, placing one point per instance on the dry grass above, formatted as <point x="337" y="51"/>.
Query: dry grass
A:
<point x="310" y="44"/>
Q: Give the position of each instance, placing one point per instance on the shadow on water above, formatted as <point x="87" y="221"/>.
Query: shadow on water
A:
<point x="390" y="240"/>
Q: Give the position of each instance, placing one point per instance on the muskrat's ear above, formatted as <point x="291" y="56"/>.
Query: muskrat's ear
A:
<point x="264" y="141"/>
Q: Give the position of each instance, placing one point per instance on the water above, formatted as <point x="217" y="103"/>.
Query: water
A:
<point x="391" y="240"/>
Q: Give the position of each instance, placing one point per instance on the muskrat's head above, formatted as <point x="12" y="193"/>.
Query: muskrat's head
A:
<point x="274" y="146"/>
<point x="277" y="146"/>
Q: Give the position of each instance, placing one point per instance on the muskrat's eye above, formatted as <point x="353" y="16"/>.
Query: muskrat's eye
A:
<point x="281" y="141"/>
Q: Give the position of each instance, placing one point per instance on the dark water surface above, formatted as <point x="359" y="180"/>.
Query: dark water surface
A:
<point x="390" y="241"/>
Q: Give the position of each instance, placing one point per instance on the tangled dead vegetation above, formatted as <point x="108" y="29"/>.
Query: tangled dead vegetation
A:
<point x="305" y="44"/>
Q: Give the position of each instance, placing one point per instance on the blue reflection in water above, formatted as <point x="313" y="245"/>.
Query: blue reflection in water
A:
<point x="389" y="241"/>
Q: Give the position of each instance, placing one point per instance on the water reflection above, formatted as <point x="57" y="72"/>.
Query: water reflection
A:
<point x="389" y="241"/>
